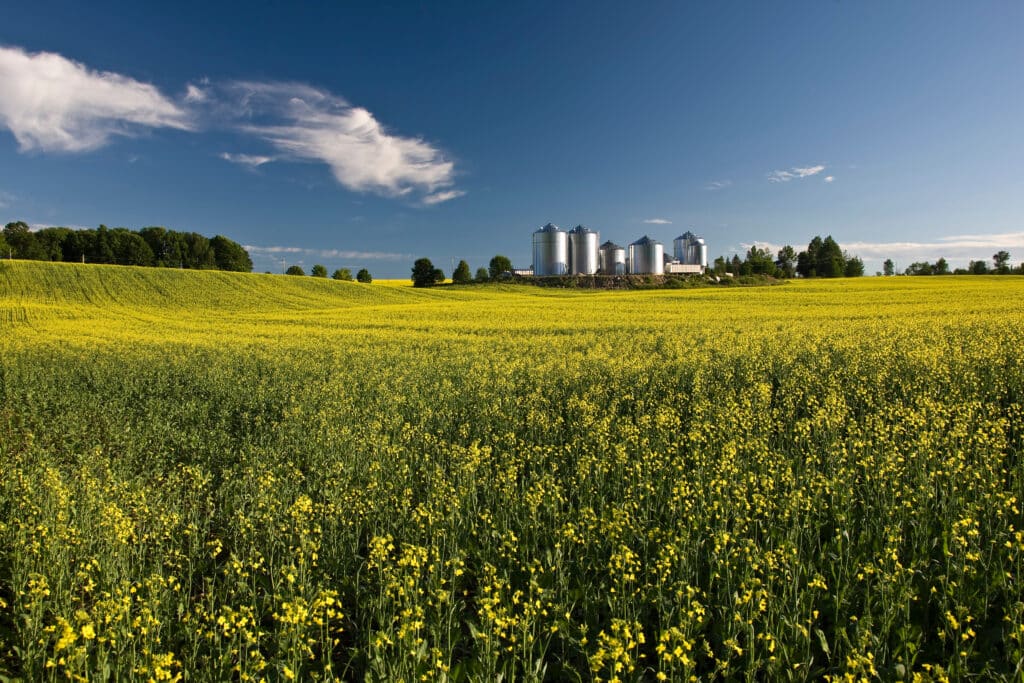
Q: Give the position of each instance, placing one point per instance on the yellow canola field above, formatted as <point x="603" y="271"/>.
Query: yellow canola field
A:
<point x="212" y="476"/>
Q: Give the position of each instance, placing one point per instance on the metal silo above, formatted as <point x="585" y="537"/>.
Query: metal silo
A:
<point x="702" y="248"/>
<point x="646" y="257"/>
<point x="690" y="250"/>
<point x="550" y="251"/>
<point x="583" y="251"/>
<point x="612" y="259"/>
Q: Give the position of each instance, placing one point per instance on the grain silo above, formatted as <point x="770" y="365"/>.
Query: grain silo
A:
<point x="583" y="251"/>
<point x="550" y="251"/>
<point x="690" y="250"/>
<point x="611" y="259"/>
<point x="646" y="257"/>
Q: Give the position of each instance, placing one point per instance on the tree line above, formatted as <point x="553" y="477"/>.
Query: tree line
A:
<point x="151" y="246"/>
<point x="424" y="274"/>
<point x="1000" y="266"/>
<point x="344" y="274"/>
<point x="822" y="258"/>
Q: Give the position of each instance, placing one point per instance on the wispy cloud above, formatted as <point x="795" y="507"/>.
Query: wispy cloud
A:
<point x="251" y="160"/>
<point x="305" y="123"/>
<point x="718" y="185"/>
<point x="54" y="104"/>
<point x="795" y="172"/>
<point x="327" y="253"/>
<point x="444" y="196"/>
<point x="657" y="221"/>
<point x="829" y="179"/>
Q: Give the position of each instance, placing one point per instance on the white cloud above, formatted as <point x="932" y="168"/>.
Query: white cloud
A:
<point x="444" y="196"/>
<point x="303" y="122"/>
<point x="829" y="179"/>
<point x="253" y="160"/>
<point x="193" y="93"/>
<point x="327" y="253"/>
<point x="657" y="221"/>
<point x="795" y="172"/>
<point x="978" y="246"/>
<point x="718" y="185"/>
<point x="54" y="104"/>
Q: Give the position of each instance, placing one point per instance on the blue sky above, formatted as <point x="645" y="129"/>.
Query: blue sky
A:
<point x="369" y="134"/>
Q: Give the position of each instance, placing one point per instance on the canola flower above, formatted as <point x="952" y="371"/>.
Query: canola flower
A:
<point x="214" y="476"/>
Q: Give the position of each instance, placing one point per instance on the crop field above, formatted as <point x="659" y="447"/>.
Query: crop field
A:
<point x="208" y="476"/>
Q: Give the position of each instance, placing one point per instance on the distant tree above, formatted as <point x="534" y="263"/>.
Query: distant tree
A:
<point x="735" y="265"/>
<point x="758" y="262"/>
<point x="721" y="266"/>
<point x="129" y="248"/>
<point x="785" y="261"/>
<point x="364" y="276"/>
<point x="198" y="252"/>
<point x="51" y="242"/>
<point x="482" y="274"/>
<point x="854" y="267"/>
<point x="422" y="273"/>
<point x="920" y="268"/>
<point x="5" y="249"/>
<point x="888" y="267"/>
<point x="169" y="247"/>
<point x="1001" y="260"/>
<point x="438" y="276"/>
<point x="342" y="274"/>
<point x="295" y="270"/>
<point x="318" y="270"/>
<point x="807" y="260"/>
<point x="831" y="262"/>
<point x="941" y="267"/>
<point x="230" y="255"/>
<point x="461" y="274"/>
<point x="499" y="264"/>
<point x="22" y="242"/>
<point x="977" y="267"/>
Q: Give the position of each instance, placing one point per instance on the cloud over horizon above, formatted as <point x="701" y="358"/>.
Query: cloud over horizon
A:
<point x="54" y="104"/>
<point x="657" y="221"/>
<point x="275" y="251"/>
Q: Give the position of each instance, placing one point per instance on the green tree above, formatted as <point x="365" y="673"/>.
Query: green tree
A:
<point x="129" y="248"/>
<point x="22" y="243"/>
<point x="295" y="270"/>
<point x="230" y="255"/>
<point x="721" y="266"/>
<point x="977" y="267"/>
<point x="941" y="267"/>
<point x="499" y="264"/>
<point x="807" y="260"/>
<point x="318" y="270"/>
<point x="854" y="267"/>
<point x="831" y="262"/>
<point x="364" y="276"/>
<point x="1001" y="260"/>
<point x="461" y="275"/>
<point x="422" y="273"/>
<point x="198" y="252"/>
<point x="889" y="268"/>
<point x="759" y="262"/>
<point x="342" y="274"/>
<point x="920" y="268"/>
<point x="438" y="276"/>
<point x="5" y="249"/>
<point x="482" y="275"/>
<point x="785" y="261"/>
